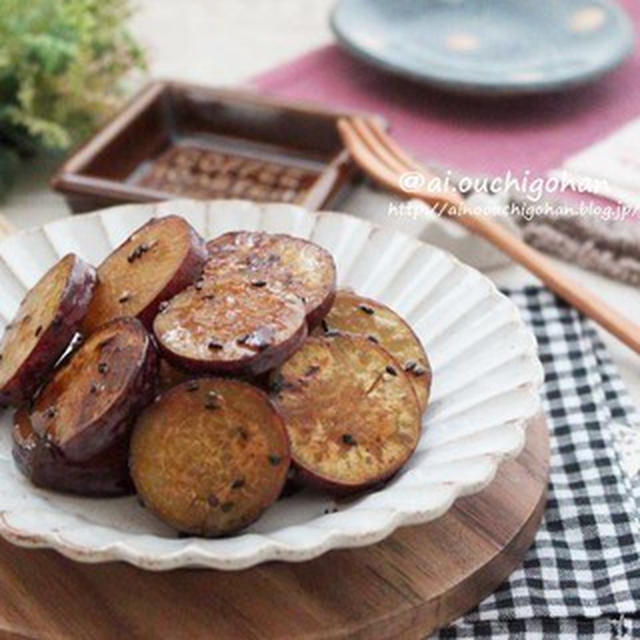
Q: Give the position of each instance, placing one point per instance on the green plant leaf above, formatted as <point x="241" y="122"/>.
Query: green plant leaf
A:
<point x="61" y="66"/>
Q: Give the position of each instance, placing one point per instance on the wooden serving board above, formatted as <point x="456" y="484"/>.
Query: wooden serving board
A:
<point x="417" y="580"/>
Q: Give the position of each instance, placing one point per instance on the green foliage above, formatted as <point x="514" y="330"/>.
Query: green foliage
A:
<point x="60" y="66"/>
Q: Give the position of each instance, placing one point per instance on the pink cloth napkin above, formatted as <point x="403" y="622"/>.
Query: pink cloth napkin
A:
<point x="482" y="136"/>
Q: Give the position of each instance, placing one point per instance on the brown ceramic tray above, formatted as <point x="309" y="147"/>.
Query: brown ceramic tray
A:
<point x="182" y="140"/>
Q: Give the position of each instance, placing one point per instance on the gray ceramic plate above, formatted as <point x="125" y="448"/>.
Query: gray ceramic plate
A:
<point x="488" y="46"/>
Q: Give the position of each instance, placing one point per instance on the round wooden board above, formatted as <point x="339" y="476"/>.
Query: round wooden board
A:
<point x="417" y="580"/>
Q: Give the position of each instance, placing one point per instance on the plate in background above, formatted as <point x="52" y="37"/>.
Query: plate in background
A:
<point x="485" y="390"/>
<point x="487" y="46"/>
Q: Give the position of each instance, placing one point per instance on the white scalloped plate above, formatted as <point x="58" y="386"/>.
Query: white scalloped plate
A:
<point x="486" y="386"/>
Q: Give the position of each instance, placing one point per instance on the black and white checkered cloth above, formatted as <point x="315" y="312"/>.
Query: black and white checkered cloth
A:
<point x="581" y="579"/>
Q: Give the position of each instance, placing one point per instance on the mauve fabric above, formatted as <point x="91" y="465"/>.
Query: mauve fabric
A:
<point x="487" y="136"/>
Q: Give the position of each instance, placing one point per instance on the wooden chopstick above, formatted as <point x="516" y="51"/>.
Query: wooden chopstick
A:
<point x="381" y="158"/>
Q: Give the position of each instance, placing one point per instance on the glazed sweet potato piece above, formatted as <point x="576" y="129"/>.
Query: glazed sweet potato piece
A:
<point x="300" y="266"/>
<point x="354" y="314"/>
<point x="230" y="327"/>
<point x="157" y="261"/>
<point x="350" y="411"/>
<point x="47" y="319"/>
<point x="209" y="456"/>
<point x="104" y="475"/>
<point x="91" y="402"/>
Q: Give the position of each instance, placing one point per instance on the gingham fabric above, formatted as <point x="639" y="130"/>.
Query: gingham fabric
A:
<point x="581" y="579"/>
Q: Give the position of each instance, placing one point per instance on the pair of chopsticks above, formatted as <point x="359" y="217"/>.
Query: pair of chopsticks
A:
<point x="380" y="157"/>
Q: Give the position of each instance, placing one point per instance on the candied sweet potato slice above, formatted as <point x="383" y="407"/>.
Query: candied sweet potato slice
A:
<point x="230" y="327"/>
<point x="46" y="321"/>
<point x="91" y="402"/>
<point x="351" y="413"/>
<point x="209" y="456"/>
<point x="157" y="261"/>
<point x="300" y="266"/>
<point x="104" y="475"/>
<point x="354" y="314"/>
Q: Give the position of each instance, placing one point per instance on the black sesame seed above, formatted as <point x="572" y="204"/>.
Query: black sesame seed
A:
<point x="373" y="339"/>
<point x="410" y="366"/>
<point x="125" y="297"/>
<point x="347" y="438"/>
<point x="312" y="370"/>
<point x="51" y="412"/>
<point x="276" y="383"/>
<point x="192" y="385"/>
<point x="103" y="367"/>
<point x="259" y="283"/>
<point x="242" y="432"/>
<point x="390" y="370"/>
<point x="93" y="388"/>
<point x="199" y="284"/>
<point x="324" y="325"/>
<point x="366" y="309"/>
<point x="163" y="306"/>
<point x="418" y="371"/>
<point x="138" y="252"/>
<point x="215" y="346"/>
<point x="274" y="460"/>
<point x="238" y="484"/>
<point x="1" y="357"/>
<point x="331" y="333"/>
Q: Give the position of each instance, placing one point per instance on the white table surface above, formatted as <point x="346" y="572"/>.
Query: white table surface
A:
<point x="226" y="42"/>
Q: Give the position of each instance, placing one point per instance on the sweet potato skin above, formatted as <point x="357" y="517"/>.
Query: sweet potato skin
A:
<point x="169" y="376"/>
<point x="209" y="456"/>
<point x="358" y="315"/>
<point x="351" y="413"/>
<point x="42" y="462"/>
<point x="18" y="386"/>
<point x="300" y="266"/>
<point x="91" y="402"/>
<point x="216" y="327"/>
<point x="130" y="271"/>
